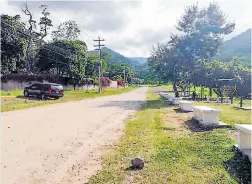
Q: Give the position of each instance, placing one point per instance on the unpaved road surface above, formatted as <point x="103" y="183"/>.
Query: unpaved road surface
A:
<point x="63" y="143"/>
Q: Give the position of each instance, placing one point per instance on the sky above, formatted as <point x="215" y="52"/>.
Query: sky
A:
<point x="128" y="27"/>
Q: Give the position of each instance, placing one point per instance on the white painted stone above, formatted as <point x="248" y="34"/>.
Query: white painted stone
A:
<point x="175" y="100"/>
<point x="206" y="115"/>
<point x="185" y="105"/>
<point x="164" y="95"/>
<point x="244" y="136"/>
<point x="170" y="98"/>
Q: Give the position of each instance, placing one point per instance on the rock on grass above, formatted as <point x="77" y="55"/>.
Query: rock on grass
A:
<point x="137" y="163"/>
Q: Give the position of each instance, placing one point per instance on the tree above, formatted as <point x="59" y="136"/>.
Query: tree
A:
<point x="35" y="39"/>
<point x="201" y="34"/>
<point x="66" y="57"/>
<point x="14" y="40"/>
<point x="117" y="78"/>
<point x="68" y="30"/>
<point x="32" y="33"/>
<point x="92" y="65"/>
<point x="203" y="31"/>
<point x="45" y="23"/>
<point x="117" y="71"/>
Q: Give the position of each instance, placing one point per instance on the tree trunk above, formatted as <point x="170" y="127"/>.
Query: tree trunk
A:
<point x="175" y="89"/>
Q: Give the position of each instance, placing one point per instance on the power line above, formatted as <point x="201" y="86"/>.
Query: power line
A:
<point x="95" y="34"/>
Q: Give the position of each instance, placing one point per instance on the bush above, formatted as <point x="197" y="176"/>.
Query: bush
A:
<point x="106" y="82"/>
<point x="120" y="83"/>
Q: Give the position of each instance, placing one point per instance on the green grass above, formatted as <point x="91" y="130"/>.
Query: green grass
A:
<point x="16" y="92"/>
<point x="9" y="104"/>
<point x="173" y="154"/>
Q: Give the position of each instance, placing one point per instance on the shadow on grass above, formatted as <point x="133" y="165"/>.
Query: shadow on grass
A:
<point x="239" y="167"/>
<point x="131" y="168"/>
<point x="180" y="111"/>
<point x="157" y="91"/>
<point x="194" y="126"/>
<point x="33" y="98"/>
<point x="168" y="129"/>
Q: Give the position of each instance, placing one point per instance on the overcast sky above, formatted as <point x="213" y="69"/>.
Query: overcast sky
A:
<point x="129" y="27"/>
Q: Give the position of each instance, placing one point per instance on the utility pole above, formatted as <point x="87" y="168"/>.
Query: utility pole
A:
<point x="100" y="63"/>
<point x="124" y="76"/>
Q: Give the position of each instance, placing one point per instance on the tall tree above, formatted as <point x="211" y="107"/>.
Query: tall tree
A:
<point x="13" y="43"/>
<point x="66" y="57"/>
<point x="36" y="38"/>
<point x="45" y="23"/>
<point x="201" y="34"/>
<point x="68" y="30"/>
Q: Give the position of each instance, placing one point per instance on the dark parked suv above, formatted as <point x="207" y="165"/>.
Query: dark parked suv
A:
<point x="44" y="90"/>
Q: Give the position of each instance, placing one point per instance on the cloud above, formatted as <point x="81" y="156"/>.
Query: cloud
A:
<point x="129" y="27"/>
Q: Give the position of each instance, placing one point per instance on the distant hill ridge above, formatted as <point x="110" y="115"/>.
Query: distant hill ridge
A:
<point x="117" y="57"/>
<point x="239" y="46"/>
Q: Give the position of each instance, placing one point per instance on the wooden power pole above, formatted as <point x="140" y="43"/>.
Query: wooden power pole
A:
<point x="100" y="63"/>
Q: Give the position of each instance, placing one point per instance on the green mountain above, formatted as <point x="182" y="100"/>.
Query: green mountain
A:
<point x="139" y="64"/>
<point x="140" y="60"/>
<point x="117" y="57"/>
<point x="239" y="46"/>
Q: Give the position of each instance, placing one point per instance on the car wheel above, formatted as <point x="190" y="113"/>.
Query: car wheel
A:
<point x="56" y="98"/>
<point x="42" y="96"/>
<point x="26" y="94"/>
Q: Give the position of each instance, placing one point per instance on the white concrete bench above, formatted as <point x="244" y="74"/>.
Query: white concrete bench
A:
<point x="244" y="138"/>
<point x="206" y="115"/>
<point x="224" y="100"/>
<point x="170" y="98"/>
<point x="164" y="95"/>
<point x="176" y="100"/>
<point x="185" y="105"/>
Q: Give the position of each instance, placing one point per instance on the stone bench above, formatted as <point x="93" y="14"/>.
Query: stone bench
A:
<point x="244" y="138"/>
<point x="164" y="95"/>
<point x="176" y="100"/>
<point x="206" y="115"/>
<point x="185" y="105"/>
<point x="224" y="100"/>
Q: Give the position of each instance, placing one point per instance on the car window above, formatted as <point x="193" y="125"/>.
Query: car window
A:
<point x="57" y="87"/>
<point x="33" y="86"/>
<point x="44" y="86"/>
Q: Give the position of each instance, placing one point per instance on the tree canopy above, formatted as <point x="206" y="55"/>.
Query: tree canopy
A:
<point x="200" y="36"/>
<point x="67" y="30"/>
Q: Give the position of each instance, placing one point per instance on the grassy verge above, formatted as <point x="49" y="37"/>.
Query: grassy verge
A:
<point x="9" y="104"/>
<point x="16" y="92"/>
<point x="173" y="152"/>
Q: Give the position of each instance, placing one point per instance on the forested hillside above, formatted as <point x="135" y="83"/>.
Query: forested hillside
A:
<point x="239" y="46"/>
<point x="139" y="59"/>
<point x="117" y="57"/>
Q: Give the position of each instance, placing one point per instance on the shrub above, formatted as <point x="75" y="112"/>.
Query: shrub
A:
<point x="120" y="83"/>
<point x="106" y="81"/>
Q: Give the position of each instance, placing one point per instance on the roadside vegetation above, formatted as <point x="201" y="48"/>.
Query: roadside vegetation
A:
<point x="174" y="150"/>
<point x="19" y="102"/>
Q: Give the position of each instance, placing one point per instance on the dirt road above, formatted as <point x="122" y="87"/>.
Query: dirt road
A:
<point x="63" y="143"/>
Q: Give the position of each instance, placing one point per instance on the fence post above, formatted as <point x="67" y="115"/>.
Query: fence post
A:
<point x="241" y="102"/>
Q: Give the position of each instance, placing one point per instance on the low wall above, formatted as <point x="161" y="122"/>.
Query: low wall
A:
<point x="11" y="84"/>
<point x="113" y="84"/>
